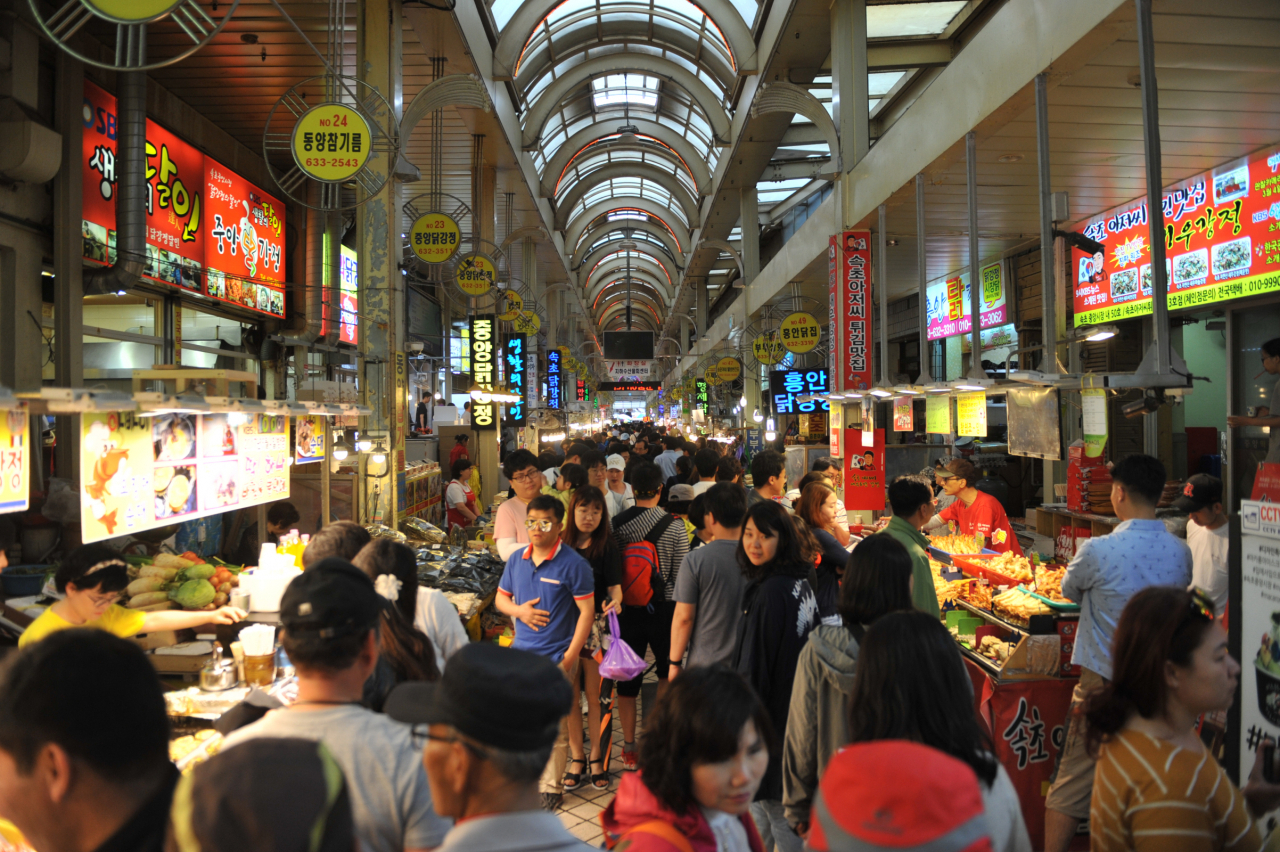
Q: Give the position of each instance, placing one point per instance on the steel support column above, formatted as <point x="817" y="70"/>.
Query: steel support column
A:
<point x="975" y="280"/>
<point x="849" y="83"/>
<point x="1155" y="184"/>
<point x="1049" y="316"/>
<point x="379" y="60"/>
<point x="882" y="294"/>
<point x="68" y="248"/>
<point x="922" y="273"/>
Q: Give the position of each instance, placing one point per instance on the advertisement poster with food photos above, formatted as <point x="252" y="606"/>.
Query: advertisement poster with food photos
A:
<point x="208" y="229"/>
<point x="139" y="473"/>
<point x="15" y="460"/>
<point x="864" y="473"/>
<point x="1259" y="611"/>
<point x="308" y="439"/>
<point x="1221" y="241"/>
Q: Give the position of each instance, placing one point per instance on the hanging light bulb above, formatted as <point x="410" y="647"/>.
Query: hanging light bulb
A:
<point x="363" y="445"/>
<point x="379" y="453"/>
<point x="340" y="449"/>
<point x="742" y="403"/>
<point x="770" y="432"/>
<point x="757" y="416"/>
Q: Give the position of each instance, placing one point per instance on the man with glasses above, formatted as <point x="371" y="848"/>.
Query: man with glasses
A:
<point x="548" y="590"/>
<point x="487" y="729"/>
<point x="521" y="468"/>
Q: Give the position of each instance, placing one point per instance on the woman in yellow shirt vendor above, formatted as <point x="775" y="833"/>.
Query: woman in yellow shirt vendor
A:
<point x="92" y="578"/>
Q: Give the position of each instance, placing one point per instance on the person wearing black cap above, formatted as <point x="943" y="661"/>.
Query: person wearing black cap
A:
<point x="1207" y="536"/>
<point x="491" y="722"/>
<point x="330" y="618"/>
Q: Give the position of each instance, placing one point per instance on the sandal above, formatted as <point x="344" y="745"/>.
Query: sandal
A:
<point x="573" y="780"/>
<point x="600" y="780"/>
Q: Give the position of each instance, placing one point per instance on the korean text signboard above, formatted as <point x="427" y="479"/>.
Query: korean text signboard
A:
<point x="139" y="473"/>
<point x="554" y="377"/>
<point x="348" y="296"/>
<point x="516" y="363"/>
<point x="849" y="300"/>
<point x="937" y="414"/>
<point x="308" y="439"/>
<point x="208" y="229"/>
<point x="700" y="389"/>
<point x="483" y="369"/>
<point x="1221" y="239"/>
<point x="971" y="414"/>
<point x="15" y="460"/>
<point x="949" y="302"/>
<point x="786" y="385"/>
<point x="622" y="370"/>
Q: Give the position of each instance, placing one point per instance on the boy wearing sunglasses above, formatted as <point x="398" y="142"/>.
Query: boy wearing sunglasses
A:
<point x="549" y="591"/>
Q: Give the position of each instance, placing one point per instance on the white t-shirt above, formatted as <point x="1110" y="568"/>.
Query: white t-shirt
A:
<point x="1005" y="825"/>
<point x="455" y="495"/>
<point x="702" y="486"/>
<point x="508" y="526"/>
<point x="619" y="503"/>
<point x="1209" y="561"/>
<point x="438" y="618"/>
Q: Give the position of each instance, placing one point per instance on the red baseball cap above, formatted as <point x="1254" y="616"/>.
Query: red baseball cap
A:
<point x="901" y="795"/>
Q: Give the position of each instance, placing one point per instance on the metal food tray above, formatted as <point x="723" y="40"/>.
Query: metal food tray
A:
<point x="975" y="567"/>
<point x="1061" y="607"/>
<point x="945" y="558"/>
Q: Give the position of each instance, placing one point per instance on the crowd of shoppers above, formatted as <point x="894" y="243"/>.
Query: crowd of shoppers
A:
<point x="807" y="689"/>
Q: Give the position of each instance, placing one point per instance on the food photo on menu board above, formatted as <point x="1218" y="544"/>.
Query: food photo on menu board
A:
<point x="140" y="473"/>
<point x="1219" y="241"/>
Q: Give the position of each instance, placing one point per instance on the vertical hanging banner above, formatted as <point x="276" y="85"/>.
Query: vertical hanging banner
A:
<point x="554" y="377"/>
<point x="868" y="420"/>
<point x="483" y="370"/>
<point x="851" y="311"/>
<point x="15" y="460"/>
<point x="837" y="431"/>
<point x="1093" y="405"/>
<point x="864" y="475"/>
<point x="513" y="348"/>
<point x="349" y="296"/>
<point x="308" y="440"/>
<point x="937" y="414"/>
<point x="700" y="393"/>
<point x="903" y="416"/>
<point x="971" y="414"/>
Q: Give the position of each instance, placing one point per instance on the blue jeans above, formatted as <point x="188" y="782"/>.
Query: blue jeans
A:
<point x="775" y="831"/>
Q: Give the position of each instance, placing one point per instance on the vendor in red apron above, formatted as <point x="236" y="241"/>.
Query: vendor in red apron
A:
<point x="974" y="512"/>
<point x="459" y="499"/>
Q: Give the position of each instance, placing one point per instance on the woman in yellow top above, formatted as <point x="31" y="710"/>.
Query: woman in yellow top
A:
<point x="1156" y="786"/>
<point x="92" y="578"/>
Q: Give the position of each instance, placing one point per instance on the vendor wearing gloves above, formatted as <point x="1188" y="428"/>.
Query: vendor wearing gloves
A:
<point x="975" y="512"/>
<point x="92" y="578"/>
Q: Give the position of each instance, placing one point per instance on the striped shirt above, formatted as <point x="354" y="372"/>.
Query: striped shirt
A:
<point x="1149" y="794"/>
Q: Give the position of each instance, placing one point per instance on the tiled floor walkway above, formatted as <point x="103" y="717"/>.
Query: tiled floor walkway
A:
<point x="580" y="808"/>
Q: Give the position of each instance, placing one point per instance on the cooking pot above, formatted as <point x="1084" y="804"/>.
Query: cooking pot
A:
<point x="218" y="675"/>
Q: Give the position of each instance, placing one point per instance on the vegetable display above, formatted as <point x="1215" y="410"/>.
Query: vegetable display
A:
<point x="169" y="581"/>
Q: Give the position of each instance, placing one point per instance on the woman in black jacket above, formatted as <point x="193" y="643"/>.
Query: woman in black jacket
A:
<point x="817" y="508"/>
<point x="779" y="611"/>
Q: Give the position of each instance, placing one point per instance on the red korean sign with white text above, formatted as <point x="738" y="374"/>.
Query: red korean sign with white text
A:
<point x="864" y="473"/>
<point x="193" y="240"/>
<point x="1221" y="238"/>
<point x="849" y="303"/>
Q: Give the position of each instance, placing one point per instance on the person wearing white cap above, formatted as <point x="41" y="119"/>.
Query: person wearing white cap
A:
<point x="620" y="496"/>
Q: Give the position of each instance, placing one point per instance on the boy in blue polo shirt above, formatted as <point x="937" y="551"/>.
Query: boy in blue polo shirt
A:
<point x="549" y="591"/>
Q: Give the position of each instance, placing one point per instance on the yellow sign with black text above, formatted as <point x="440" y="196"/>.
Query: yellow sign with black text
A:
<point x="435" y="237"/>
<point x="331" y="142"/>
<point x="800" y="332"/>
<point x="476" y="274"/>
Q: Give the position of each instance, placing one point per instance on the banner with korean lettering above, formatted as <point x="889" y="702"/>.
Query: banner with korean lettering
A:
<point x="863" y="469"/>
<point x="1222" y="241"/>
<point x="554" y="377"/>
<point x="174" y="196"/>
<point x="15" y="460"/>
<point x="139" y="473"/>
<point x="948" y="302"/>
<point x="208" y="229"/>
<point x="484" y="369"/>
<point x="308" y="439"/>
<point x="851" y="313"/>
<point x="515" y="363"/>
<point x="785" y="386"/>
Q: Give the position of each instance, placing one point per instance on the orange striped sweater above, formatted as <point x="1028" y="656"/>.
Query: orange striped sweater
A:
<point x="1149" y="794"/>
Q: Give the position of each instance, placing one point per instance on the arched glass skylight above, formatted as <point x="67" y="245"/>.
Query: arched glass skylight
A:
<point x="642" y="236"/>
<point x="629" y="187"/>
<point x="622" y="215"/>
<point x="635" y="257"/>
<point x="634" y="90"/>
<point x="602" y="153"/>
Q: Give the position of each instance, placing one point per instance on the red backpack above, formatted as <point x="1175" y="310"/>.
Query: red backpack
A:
<point x="640" y="574"/>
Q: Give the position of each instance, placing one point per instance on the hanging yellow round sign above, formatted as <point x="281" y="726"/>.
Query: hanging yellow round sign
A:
<point x="435" y="238"/>
<point x="510" y="305"/>
<point x="729" y="369"/>
<point x="711" y="376"/>
<point x="132" y="11"/>
<point x="475" y="274"/>
<point x="331" y="142"/>
<point x="767" y="348"/>
<point x="800" y="332"/>
<point x="526" y="322"/>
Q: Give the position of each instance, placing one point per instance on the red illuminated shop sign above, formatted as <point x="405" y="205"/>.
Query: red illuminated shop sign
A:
<point x="208" y="229"/>
<point x="1221" y="237"/>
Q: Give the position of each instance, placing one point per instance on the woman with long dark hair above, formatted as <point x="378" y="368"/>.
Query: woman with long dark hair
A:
<point x="587" y="530"/>
<point x="706" y="748"/>
<point x="1156" y="785"/>
<point x="911" y="684"/>
<point x="394" y="571"/>
<point x="876" y="582"/>
<point x="817" y="508"/>
<point x="776" y="554"/>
